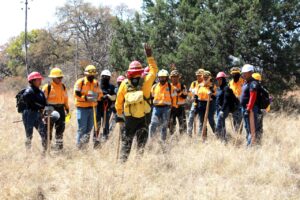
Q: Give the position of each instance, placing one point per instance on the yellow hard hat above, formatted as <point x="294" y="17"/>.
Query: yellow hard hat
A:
<point x="256" y="76"/>
<point x="206" y="74"/>
<point x="56" y="73"/>
<point x="175" y="73"/>
<point x="90" y="70"/>
<point x="163" y="73"/>
<point x="235" y="70"/>
<point x="200" y="72"/>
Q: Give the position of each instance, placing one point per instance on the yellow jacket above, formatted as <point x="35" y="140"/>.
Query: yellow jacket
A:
<point x="84" y="86"/>
<point x="193" y="88"/>
<point x="146" y="88"/>
<point x="237" y="87"/>
<point x="58" y="94"/>
<point x="162" y="96"/>
<point x="203" y="90"/>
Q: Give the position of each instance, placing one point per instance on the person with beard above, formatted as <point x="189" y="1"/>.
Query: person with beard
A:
<point x="133" y="104"/>
<point x="86" y="93"/>
<point x="105" y="106"/>
<point x="225" y="101"/>
<point x="236" y="85"/>
<point x="164" y="97"/>
<point x="178" y="111"/>
<point x="192" y="93"/>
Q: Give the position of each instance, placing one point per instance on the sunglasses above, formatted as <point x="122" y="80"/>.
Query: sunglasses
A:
<point x="92" y="71"/>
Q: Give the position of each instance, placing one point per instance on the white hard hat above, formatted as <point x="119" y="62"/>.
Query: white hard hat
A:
<point x="247" y="68"/>
<point x="106" y="73"/>
<point x="54" y="116"/>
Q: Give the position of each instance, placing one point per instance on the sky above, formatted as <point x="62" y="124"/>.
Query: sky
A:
<point x="41" y="14"/>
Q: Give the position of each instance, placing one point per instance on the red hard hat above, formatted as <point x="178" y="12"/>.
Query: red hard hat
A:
<point x="120" y="79"/>
<point x="221" y="75"/>
<point x="34" y="75"/>
<point x="135" y="69"/>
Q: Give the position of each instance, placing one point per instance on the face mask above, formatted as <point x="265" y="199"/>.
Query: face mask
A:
<point x="162" y="82"/>
<point x="105" y="81"/>
<point x="135" y="81"/>
<point x="90" y="78"/>
<point x="236" y="77"/>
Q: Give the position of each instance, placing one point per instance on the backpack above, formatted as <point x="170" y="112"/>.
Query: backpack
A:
<point x="234" y="103"/>
<point x="135" y="103"/>
<point x="263" y="98"/>
<point x="20" y="103"/>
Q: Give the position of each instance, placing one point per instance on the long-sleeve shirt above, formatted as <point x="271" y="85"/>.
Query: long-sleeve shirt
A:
<point x="34" y="98"/>
<point x="146" y="88"/>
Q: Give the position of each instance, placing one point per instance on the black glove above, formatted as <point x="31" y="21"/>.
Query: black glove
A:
<point x="195" y="98"/>
<point x="120" y="119"/>
<point x="105" y="97"/>
<point x="148" y="50"/>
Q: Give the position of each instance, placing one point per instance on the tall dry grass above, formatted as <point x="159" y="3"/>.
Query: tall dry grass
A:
<point x="188" y="170"/>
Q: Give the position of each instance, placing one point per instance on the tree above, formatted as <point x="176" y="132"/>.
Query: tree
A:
<point x="92" y="26"/>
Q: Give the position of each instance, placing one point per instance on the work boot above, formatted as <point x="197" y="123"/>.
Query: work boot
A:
<point x="28" y="144"/>
<point x="58" y="147"/>
<point x="97" y="144"/>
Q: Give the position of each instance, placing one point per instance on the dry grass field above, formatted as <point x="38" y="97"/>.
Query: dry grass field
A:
<point x="188" y="170"/>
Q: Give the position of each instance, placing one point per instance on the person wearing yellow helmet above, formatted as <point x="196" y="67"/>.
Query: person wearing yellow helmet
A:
<point x="87" y="93"/>
<point x="192" y="94"/>
<point x="263" y="105"/>
<point x="178" y="110"/>
<point x="57" y="97"/>
<point x="204" y="90"/>
<point x="236" y="84"/>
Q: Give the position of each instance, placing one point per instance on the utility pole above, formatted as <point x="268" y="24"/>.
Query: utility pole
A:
<point x="77" y="40"/>
<point x="26" y="39"/>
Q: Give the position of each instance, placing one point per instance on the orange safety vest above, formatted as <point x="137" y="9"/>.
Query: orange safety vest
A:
<point x="180" y="101"/>
<point x="84" y="86"/>
<point x="202" y="92"/>
<point x="237" y="87"/>
<point x="57" y="95"/>
<point x="162" y="96"/>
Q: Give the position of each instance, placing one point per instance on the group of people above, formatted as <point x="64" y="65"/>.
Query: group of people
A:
<point x="144" y="100"/>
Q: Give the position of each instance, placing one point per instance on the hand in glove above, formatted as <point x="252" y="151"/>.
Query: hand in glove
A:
<point x="221" y="114"/>
<point x="120" y="119"/>
<point x="148" y="50"/>
<point x="246" y="113"/>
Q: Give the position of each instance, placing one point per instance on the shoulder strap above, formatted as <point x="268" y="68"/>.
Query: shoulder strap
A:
<point x="49" y="89"/>
<point x="82" y="83"/>
<point x="170" y="90"/>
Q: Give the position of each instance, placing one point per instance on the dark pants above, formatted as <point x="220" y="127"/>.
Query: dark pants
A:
<point x="201" y="109"/>
<point x="59" y="125"/>
<point x="100" y="118"/>
<point x="133" y="127"/>
<point x="221" y="126"/>
<point x="33" y="119"/>
<point x="178" y="113"/>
